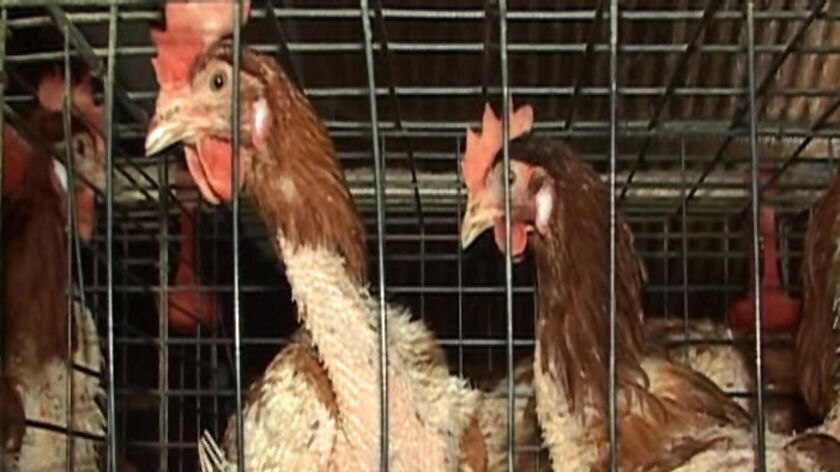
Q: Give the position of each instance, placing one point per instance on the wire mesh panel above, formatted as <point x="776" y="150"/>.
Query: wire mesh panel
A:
<point x="711" y="122"/>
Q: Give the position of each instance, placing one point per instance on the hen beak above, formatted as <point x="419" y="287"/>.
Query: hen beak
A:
<point x="168" y="127"/>
<point x="478" y="218"/>
<point x="163" y="135"/>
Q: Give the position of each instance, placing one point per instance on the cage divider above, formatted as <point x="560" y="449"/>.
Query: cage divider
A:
<point x="756" y="196"/>
<point x="614" y="448"/>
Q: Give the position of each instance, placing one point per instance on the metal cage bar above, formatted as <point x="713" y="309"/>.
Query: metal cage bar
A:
<point x="379" y="179"/>
<point x="756" y="196"/>
<point x="236" y="129"/>
<point x="506" y="175"/>
<point x="612" y="412"/>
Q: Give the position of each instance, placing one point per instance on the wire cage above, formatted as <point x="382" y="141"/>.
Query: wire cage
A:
<point x="695" y="112"/>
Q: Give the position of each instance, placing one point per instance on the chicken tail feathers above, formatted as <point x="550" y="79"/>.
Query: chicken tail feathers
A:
<point x="211" y="458"/>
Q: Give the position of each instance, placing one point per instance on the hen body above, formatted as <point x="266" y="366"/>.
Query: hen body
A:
<point x="42" y="388"/>
<point x="530" y="455"/>
<point x="818" y="337"/>
<point x="319" y="236"/>
<point x="669" y="416"/>
<point x="726" y="358"/>
<point x="37" y="344"/>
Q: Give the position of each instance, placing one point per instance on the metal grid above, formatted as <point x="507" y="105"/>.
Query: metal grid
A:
<point x="674" y="102"/>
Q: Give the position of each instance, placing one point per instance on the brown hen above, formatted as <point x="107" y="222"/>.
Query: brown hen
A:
<point x="669" y="417"/>
<point x="285" y="154"/>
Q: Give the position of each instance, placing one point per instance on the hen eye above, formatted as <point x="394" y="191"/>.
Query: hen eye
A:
<point x="79" y="146"/>
<point x="218" y="81"/>
<point x="512" y="177"/>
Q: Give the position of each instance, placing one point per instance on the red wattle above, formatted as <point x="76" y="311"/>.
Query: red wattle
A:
<point x="518" y="237"/>
<point x="85" y="212"/>
<point x="189" y="308"/>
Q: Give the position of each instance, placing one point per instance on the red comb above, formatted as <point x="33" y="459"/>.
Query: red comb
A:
<point x="190" y="28"/>
<point x="15" y="156"/>
<point x="176" y="51"/>
<point x="482" y="146"/>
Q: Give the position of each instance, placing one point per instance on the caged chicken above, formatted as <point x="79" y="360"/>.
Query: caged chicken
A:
<point x="726" y="355"/>
<point x="669" y="417"/>
<point x="817" y="337"/>
<point x="36" y="345"/>
<point x="308" y="412"/>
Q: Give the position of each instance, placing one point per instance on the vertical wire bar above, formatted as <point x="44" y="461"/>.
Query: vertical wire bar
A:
<point x="109" y="228"/>
<point x="214" y="330"/>
<point x="459" y="259"/>
<point x="784" y="252"/>
<point x="163" y="310"/>
<point x="237" y="328"/>
<point x="503" y="63"/>
<point x="666" y="243"/>
<point x="3" y="14"/>
<point x="539" y="446"/>
<point x="754" y="192"/>
<point x="613" y="430"/>
<point x="684" y="240"/>
<point x="385" y="54"/>
<point x="69" y="165"/>
<point x="422" y="224"/>
<point x="727" y="256"/>
<point x="181" y="401"/>
<point x="125" y="349"/>
<point x="200" y="331"/>
<point x="380" y="237"/>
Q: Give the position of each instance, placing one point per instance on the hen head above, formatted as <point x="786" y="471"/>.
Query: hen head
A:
<point x="199" y="116"/>
<point x="531" y="204"/>
<point x="531" y="191"/>
<point x="87" y="146"/>
<point x="194" y="71"/>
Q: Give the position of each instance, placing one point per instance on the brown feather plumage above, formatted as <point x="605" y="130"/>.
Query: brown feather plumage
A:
<point x="576" y="298"/>
<point x="301" y="173"/>
<point x="660" y="403"/>
<point x="305" y="359"/>
<point x="35" y="303"/>
<point x="820" y="447"/>
<point x="816" y="339"/>
<point x="473" y="451"/>
<point x="728" y="357"/>
<point x="315" y="179"/>
<point x="34" y="220"/>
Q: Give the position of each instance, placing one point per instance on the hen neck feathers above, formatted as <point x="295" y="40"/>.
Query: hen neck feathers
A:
<point x="298" y="183"/>
<point x="573" y="274"/>
<point x="35" y="302"/>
